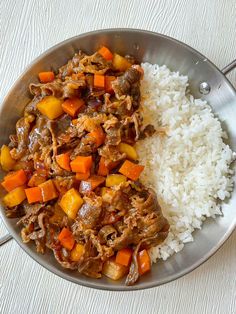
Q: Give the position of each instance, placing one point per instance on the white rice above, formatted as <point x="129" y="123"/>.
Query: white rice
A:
<point x="188" y="168"/>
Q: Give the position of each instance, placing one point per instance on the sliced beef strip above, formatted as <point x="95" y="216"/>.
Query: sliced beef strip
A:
<point x="123" y="84"/>
<point x="85" y="147"/>
<point x="131" y="128"/>
<point x="31" y="107"/>
<point x="147" y="131"/>
<point x="95" y="64"/>
<point x="31" y="212"/>
<point x="72" y="65"/>
<point x="40" y="135"/>
<point x="41" y="233"/>
<point x="112" y="128"/>
<point x="119" y="107"/>
<point x="111" y="153"/>
<point x="23" y="126"/>
<point x="133" y="275"/>
<point x="90" y="211"/>
<point x="64" y="260"/>
<point x="67" y="89"/>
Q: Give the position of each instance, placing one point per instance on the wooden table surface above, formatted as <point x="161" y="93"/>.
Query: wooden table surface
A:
<point x="29" y="27"/>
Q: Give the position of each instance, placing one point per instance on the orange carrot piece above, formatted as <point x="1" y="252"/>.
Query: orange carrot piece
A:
<point x="36" y="179"/>
<point x="124" y="256"/>
<point x="81" y="164"/>
<point x="66" y="239"/>
<point x="131" y="170"/>
<point x="106" y="53"/>
<point x="82" y="176"/>
<point x="90" y="184"/>
<point x="102" y="168"/>
<point x="48" y="190"/>
<point x="108" y="84"/>
<point x="72" y="106"/>
<point x="98" y="135"/>
<point x="46" y="77"/>
<point x="99" y="81"/>
<point x="144" y="262"/>
<point x="14" y="179"/>
<point x="63" y="161"/>
<point x="95" y="181"/>
<point x="34" y="195"/>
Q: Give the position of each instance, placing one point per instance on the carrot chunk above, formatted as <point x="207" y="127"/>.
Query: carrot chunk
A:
<point x="72" y="106"/>
<point x="34" y="195"/>
<point x="46" y="77"/>
<point x="36" y="179"/>
<point x="99" y="81"/>
<point x="91" y="183"/>
<point x="144" y="262"/>
<point x="131" y="170"/>
<point x="106" y="53"/>
<point x="124" y="256"/>
<point x="14" y="179"/>
<point x="48" y="190"/>
<point x="66" y="238"/>
<point x="63" y="161"/>
<point x="102" y="168"/>
<point x="108" y="84"/>
<point x="98" y="135"/>
<point x="81" y="164"/>
<point x="82" y="176"/>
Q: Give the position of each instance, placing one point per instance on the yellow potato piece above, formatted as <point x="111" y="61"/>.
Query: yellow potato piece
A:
<point x="7" y="162"/>
<point x="77" y="252"/>
<point x="113" y="270"/>
<point x="107" y="194"/>
<point x="128" y="150"/>
<point x="115" y="179"/>
<point x="50" y="106"/>
<point x="15" y="197"/>
<point x="120" y="63"/>
<point x="71" y="202"/>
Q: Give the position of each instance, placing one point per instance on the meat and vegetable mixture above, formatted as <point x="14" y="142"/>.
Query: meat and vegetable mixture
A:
<point x="73" y="171"/>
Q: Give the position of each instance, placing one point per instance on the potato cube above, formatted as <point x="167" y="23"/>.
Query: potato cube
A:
<point x="15" y="197"/>
<point x="128" y="150"/>
<point x="71" y="202"/>
<point x="120" y="63"/>
<point x="113" y="270"/>
<point x="77" y="252"/>
<point x="7" y="162"/>
<point x="115" y="179"/>
<point x="51" y="107"/>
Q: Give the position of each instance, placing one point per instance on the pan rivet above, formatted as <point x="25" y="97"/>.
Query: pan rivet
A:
<point x="204" y="88"/>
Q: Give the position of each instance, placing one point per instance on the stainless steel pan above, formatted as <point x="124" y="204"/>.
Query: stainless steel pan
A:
<point x="206" y="81"/>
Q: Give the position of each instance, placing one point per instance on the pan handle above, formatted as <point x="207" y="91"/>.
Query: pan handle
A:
<point x="228" y="68"/>
<point x="5" y="238"/>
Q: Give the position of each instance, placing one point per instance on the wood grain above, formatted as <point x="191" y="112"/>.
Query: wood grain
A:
<point x="27" y="28"/>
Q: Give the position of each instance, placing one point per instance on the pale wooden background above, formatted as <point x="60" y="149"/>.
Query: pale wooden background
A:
<point x="29" y="27"/>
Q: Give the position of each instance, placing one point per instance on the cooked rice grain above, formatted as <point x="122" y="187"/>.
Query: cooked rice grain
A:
<point x="189" y="167"/>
